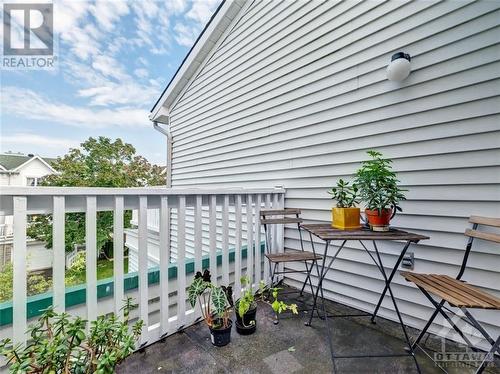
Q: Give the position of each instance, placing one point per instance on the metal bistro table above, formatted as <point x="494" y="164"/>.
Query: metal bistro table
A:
<point x="328" y="234"/>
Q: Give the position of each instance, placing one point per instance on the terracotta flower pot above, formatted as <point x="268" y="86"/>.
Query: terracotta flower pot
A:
<point x="379" y="221"/>
<point x="345" y="218"/>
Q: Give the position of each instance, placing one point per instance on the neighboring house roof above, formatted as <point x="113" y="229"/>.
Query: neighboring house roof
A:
<point x="220" y="21"/>
<point x="13" y="161"/>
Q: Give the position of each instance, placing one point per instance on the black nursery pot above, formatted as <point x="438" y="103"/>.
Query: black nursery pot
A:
<point x="221" y="337"/>
<point x="247" y="328"/>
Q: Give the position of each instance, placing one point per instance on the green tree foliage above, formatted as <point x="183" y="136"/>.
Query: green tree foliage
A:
<point x="98" y="162"/>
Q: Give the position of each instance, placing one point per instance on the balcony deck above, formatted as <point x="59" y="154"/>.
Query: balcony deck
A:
<point x="269" y="349"/>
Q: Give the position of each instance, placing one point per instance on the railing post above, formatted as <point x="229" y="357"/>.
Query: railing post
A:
<point x="197" y="234"/>
<point x="274" y="236"/>
<point x="181" y="261"/>
<point x="281" y="228"/>
<point x="59" y="253"/>
<point x="91" y="257"/>
<point x="164" y="228"/>
<point x="237" y="247"/>
<point x="118" y="291"/>
<point x="258" y="257"/>
<point x="19" y="271"/>
<point x="143" y="266"/>
<point x="249" y="212"/>
<point x="268" y="242"/>
<point x="213" y="236"/>
<point x="225" y="241"/>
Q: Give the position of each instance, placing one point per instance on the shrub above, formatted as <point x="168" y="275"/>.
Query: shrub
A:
<point x="59" y="344"/>
<point x="36" y="283"/>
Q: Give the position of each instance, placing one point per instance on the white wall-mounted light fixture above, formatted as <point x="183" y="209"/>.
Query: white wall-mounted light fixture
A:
<point x="399" y="67"/>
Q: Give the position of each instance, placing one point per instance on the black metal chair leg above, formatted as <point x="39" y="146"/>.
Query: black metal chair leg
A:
<point x="446" y="316"/>
<point x="489" y="356"/>
<point x="427" y="325"/>
<point x="308" y="277"/>
<point x="478" y="326"/>
<point x="273" y="274"/>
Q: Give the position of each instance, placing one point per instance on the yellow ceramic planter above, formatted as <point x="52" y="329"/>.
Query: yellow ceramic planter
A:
<point x="345" y="218"/>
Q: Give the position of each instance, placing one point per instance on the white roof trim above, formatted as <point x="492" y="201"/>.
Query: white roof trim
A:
<point x="197" y="55"/>
<point x="36" y="158"/>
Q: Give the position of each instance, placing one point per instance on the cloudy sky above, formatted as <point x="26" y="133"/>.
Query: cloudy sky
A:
<point x="114" y="59"/>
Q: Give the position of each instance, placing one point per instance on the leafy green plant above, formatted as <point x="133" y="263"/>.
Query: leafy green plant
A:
<point x="247" y="299"/>
<point x="378" y="184"/>
<point x="345" y="195"/>
<point x="280" y="306"/>
<point x="215" y="302"/>
<point x="36" y="283"/>
<point x="59" y="344"/>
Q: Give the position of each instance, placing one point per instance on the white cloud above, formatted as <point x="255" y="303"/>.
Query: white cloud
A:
<point x="16" y="140"/>
<point x="185" y="35"/>
<point x="141" y="73"/>
<point x="67" y="15"/>
<point x="141" y="60"/>
<point x="109" y="67"/>
<point x="81" y="43"/>
<point x="187" y="30"/>
<point x="202" y="10"/>
<point x="108" y="12"/>
<point x="129" y="94"/>
<point x="28" y="104"/>
<point x="176" y="6"/>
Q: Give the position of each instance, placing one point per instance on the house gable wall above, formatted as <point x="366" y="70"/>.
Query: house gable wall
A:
<point x="297" y="93"/>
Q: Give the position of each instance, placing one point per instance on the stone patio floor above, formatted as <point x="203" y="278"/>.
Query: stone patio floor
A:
<point x="289" y="347"/>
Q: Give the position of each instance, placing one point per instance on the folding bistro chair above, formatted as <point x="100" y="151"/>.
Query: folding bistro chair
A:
<point x="460" y="294"/>
<point x="269" y="217"/>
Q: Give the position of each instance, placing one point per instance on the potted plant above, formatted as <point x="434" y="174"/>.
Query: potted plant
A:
<point x="379" y="190"/>
<point x="215" y="305"/>
<point x="246" y="309"/>
<point x="345" y="216"/>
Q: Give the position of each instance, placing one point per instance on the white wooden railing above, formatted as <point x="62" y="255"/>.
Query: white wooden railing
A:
<point x="221" y="217"/>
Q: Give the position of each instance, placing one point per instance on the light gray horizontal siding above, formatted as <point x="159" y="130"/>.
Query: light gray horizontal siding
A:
<point x="153" y="235"/>
<point x="296" y="92"/>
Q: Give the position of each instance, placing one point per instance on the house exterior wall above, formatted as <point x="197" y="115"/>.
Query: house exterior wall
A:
<point x="295" y="93"/>
<point x="39" y="257"/>
<point x="32" y="169"/>
<point x="132" y="243"/>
